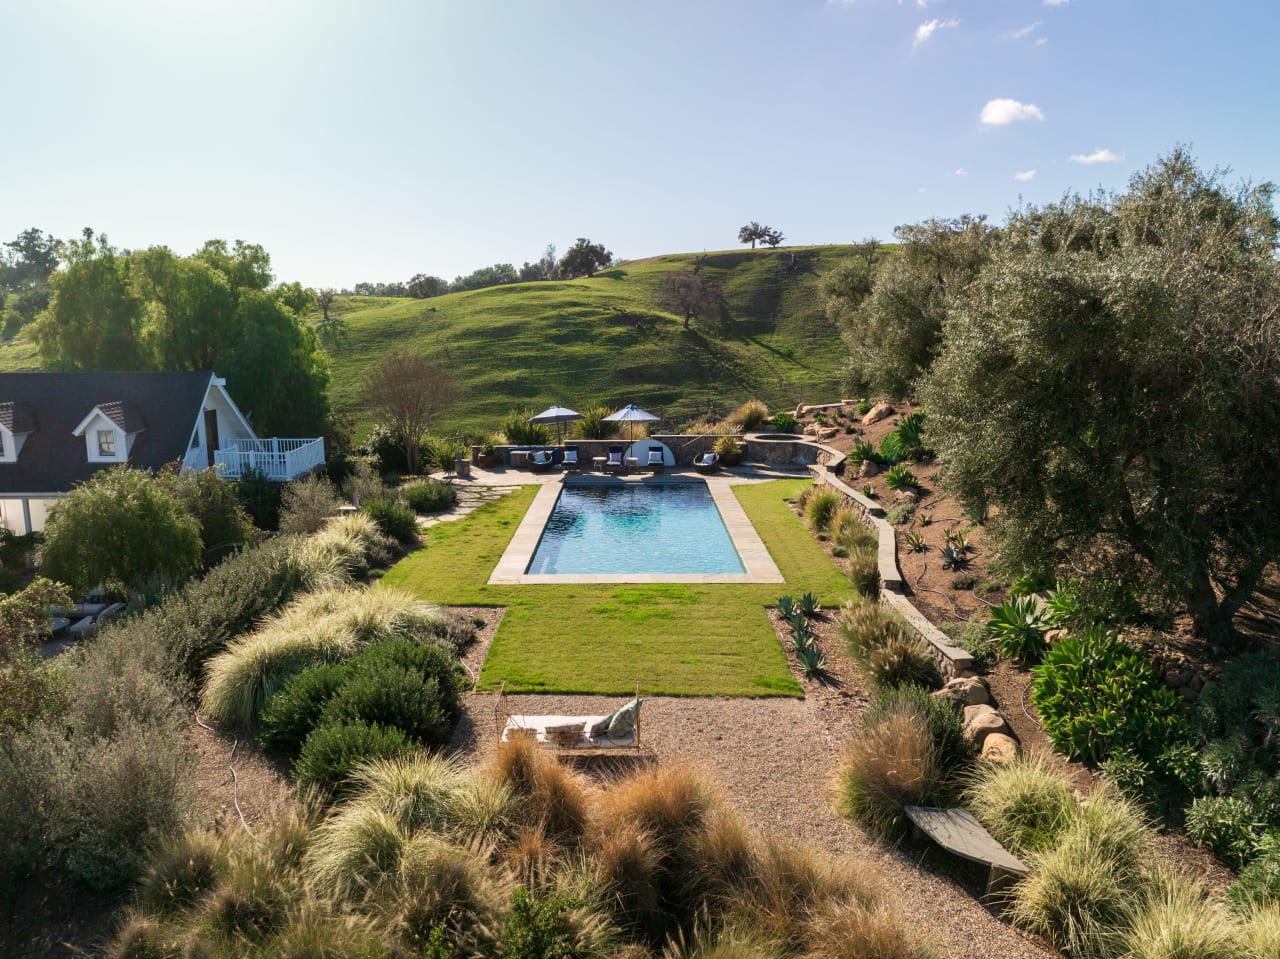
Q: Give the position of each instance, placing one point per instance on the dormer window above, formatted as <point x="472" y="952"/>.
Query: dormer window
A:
<point x="107" y="444"/>
<point x="109" y="432"/>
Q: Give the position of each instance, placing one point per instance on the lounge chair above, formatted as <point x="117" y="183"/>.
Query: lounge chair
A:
<point x="655" y="461"/>
<point x="614" y="462"/>
<point x="540" y="461"/>
<point x="706" y="463"/>
<point x="570" y="461"/>
<point x="576" y="735"/>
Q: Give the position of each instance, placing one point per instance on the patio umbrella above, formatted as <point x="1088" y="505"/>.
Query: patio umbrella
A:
<point x="631" y="414"/>
<point x="558" y="415"/>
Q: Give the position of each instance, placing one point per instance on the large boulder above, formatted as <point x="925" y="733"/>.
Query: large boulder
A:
<point x="999" y="748"/>
<point x="868" y="469"/>
<point x="966" y="692"/>
<point x="981" y="721"/>
<point x="877" y="413"/>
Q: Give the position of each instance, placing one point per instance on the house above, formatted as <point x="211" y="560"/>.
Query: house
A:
<point x="58" y="429"/>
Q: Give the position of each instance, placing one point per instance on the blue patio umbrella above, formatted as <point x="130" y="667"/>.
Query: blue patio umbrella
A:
<point x="559" y="415"/>
<point x="630" y="414"/>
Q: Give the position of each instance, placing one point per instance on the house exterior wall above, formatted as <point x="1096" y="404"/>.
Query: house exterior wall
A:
<point x="13" y="518"/>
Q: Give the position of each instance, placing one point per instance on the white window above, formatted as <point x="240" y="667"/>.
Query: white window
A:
<point x="106" y="443"/>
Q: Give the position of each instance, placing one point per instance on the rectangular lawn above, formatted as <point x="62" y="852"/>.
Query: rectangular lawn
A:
<point x="674" y="640"/>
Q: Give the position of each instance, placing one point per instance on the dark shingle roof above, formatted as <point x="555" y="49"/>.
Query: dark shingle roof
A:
<point x="16" y="417"/>
<point x="160" y="407"/>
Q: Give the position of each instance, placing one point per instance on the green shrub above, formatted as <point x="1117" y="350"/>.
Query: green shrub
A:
<point x="212" y="500"/>
<point x="784" y="423"/>
<point x="729" y="446"/>
<point x="975" y="639"/>
<point x="900" y="478"/>
<point x="306" y="505"/>
<point x="863" y="451"/>
<point x="520" y="432"/>
<point x="594" y="426"/>
<point x="750" y="415"/>
<point x="540" y="929"/>
<point x="260" y="497"/>
<point x="849" y="531"/>
<point x="905" y="442"/>
<point x="1259" y="882"/>
<point x="291" y="713"/>
<point x="1025" y="805"/>
<point x="1094" y="694"/>
<point x="899" y="513"/>
<point x="1226" y="825"/>
<point x="821" y="507"/>
<point x="333" y="751"/>
<point x="422" y="703"/>
<point x="393" y="519"/>
<point x="431" y="496"/>
<point x="1019" y="627"/>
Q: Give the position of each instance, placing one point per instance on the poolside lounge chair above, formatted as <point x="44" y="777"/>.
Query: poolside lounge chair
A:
<point x="540" y="461"/>
<point x="706" y="463"/>
<point x="571" y="735"/>
<point x="655" y="461"/>
<point x="570" y="461"/>
<point x="614" y="462"/>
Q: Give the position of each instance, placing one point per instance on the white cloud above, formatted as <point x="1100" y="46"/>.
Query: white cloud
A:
<point x="1040" y="41"/>
<point x="923" y="189"/>
<point x="927" y="29"/>
<point x="1100" y="155"/>
<point x="1022" y="32"/>
<point x="1056" y="3"/>
<point x="999" y="112"/>
<point x="960" y="171"/>
<point x="1025" y="175"/>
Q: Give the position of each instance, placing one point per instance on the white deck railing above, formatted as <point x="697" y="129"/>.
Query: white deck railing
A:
<point x="280" y="459"/>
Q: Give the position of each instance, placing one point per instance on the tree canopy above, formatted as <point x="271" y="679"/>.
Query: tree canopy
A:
<point x="1110" y="383"/>
<point x="687" y="294"/>
<point x="119" y="529"/>
<point x="754" y="233"/>
<point x="406" y="391"/>
<point x="583" y="259"/>
<point x="213" y="310"/>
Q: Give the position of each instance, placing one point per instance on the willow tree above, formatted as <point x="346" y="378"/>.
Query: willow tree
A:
<point x="1111" y="384"/>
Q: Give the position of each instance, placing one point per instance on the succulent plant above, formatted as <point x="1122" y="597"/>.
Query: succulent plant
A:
<point x="899" y="477"/>
<point x="914" y="542"/>
<point x="809" y="605"/>
<point x="785" y="606"/>
<point x="812" y="660"/>
<point x="953" y="558"/>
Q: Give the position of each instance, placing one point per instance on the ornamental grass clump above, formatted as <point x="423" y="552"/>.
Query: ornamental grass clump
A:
<point x="882" y="643"/>
<point x="1025" y="805"/>
<point x="891" y="764"/>
<point x="750" y="415"/>
<point x="848" y="530"/>
<point x="821" y="507"/>
<point x="1175" y="920"/>
<point x="323" y="627"/>
<point x="546" y="794"/>
<point x="1259" y="933"/>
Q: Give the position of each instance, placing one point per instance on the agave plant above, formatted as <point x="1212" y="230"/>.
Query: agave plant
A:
<point x="786" y="605"/>
<point x="862" y="450"/>
<point x="914" y="542"/>
<point x="811" y="658"/>
<point x="899" y="477"/>
<point x="797" y="619"/>
<point x="809" y="605"/>
<point x="1064" y="606"/>
<point x="957" y="539"/>
<point x="923" y="519"/>
<point x="869" y="491"/>
<point x="800" y="636"/>
<point x="1019" y="626"/>
<point x="952" y="558"/>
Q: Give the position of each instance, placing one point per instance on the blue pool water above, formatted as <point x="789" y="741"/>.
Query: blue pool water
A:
<point x="635" y="528"/>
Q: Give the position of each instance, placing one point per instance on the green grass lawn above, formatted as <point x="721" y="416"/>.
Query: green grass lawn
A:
<point x="674" y="640"/>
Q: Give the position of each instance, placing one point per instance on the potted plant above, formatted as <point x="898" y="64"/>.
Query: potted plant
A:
<point x="488" y="457"/>
<point x="729" y="449"/>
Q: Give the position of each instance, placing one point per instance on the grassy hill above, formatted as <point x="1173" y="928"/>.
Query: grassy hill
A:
<point x="601" y="341"/>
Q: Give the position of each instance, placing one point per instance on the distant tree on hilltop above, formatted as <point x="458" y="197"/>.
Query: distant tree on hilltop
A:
<point x="424" y="287"/>
<point x="583" y="259"/>
<point x="753" y="232"/>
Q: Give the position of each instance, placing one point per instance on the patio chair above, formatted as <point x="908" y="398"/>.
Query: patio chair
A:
<point x="706" y="463"/>
<point x="655" y="461"/>
<point x="540" y="461"/>
<point x="570" y="460"/>
<point x="614" y="462"/>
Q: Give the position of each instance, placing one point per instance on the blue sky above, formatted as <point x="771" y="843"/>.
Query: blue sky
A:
<point x="374" y="140"/>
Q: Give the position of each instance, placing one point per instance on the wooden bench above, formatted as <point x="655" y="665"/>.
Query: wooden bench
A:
<point x="956" y="831"/>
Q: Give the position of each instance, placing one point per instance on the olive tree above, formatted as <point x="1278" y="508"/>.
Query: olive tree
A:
<point x="1111" y="385"/>
<point x="118" y="529"/>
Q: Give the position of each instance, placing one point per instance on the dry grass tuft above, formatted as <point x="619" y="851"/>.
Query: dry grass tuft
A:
<point x="853" y="930"/>
<point x="888" y="765"/>
<point x="1025" y="805"/>
<point x="1259" y="933"/>
<point x="546" y="794"/>
<point x="1176" y="921"/>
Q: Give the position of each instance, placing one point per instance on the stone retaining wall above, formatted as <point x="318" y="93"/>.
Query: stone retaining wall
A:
<point x="951" y="660"/>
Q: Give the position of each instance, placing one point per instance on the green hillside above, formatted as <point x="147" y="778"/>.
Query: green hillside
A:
<point x="600" y="341"/>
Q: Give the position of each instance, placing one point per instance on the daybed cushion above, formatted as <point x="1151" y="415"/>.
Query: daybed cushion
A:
<point x="600" y="727"/>
<point x="623" y="722"/>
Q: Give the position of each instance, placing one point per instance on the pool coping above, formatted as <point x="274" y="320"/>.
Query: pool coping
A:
<point x="759" y="565"/>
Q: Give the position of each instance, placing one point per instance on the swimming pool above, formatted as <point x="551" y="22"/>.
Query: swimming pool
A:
<point x="635" y="528"/>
